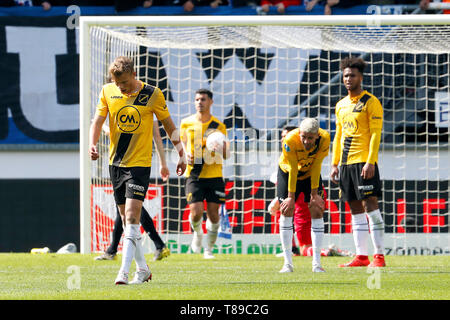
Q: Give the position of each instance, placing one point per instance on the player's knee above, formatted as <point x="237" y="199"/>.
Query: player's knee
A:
<point x="370" y="204"/>
<point x="316" y="211"/>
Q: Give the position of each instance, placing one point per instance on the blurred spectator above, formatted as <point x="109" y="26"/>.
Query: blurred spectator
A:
<point x="189" y="5"/>
<point x="24" y="3"/>
<point x="119" y="5"/>
<point x="45" y="4"/>
<point x="328" y="4"/>
<point x="48" y="4"/>
<point x="281" y="5"/>
<point x="424" y="5"/>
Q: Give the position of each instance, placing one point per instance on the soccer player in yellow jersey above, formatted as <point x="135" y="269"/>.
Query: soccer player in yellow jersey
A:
<point x="359" y="120"/>
<point x="299" y="169"/>
<point x="204" y="171"/>
<point x="130" y="105"/>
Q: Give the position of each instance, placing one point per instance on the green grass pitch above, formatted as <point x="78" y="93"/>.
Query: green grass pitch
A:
<point x="25" y="276"/>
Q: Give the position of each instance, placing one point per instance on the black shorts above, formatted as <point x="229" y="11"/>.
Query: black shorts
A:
<point x="303" y="186"/>
<point x="209" y="189"/>
<point x="129" y="183"/>
<point x="354" y="187"/>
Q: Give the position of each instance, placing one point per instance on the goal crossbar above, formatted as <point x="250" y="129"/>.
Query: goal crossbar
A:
<point x="300" y="20"/>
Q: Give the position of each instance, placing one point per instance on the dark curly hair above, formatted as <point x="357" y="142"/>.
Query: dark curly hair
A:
<point x="353" y="62"/>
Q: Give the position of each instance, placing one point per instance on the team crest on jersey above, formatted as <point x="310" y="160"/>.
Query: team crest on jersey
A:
<point x="359" y="106"/>
<point x="143" y="99"/>
<point x="128" y="119"/>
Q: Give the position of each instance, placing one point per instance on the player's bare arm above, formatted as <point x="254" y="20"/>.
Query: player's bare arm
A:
<point x="164" y="170"/>
<point x="94" y="135"/>
<point x="226" y="150"/>
<point x="174" y="135"/>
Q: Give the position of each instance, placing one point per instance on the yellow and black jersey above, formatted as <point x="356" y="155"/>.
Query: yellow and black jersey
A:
<point x="359" y="121"/>
<point x="301" y="163"/>
<point x="194" y="134"/>
<point x="131" y="123"/>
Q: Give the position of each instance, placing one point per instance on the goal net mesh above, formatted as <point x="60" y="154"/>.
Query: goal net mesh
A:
<point x="266" y="77"/>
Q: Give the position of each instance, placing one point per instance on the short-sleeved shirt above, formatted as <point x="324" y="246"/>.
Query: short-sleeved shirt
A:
<point x="131" y="123"/>
<point x="301" y="163"/>
<point x="355" y="117"/>
<point x="195" y="133"/>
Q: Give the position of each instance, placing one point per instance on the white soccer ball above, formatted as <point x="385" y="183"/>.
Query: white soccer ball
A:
<point x="215" y="138"/>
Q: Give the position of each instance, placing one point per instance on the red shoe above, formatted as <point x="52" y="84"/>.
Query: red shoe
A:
<point x="378" y="261"/>
<point x="358" y="261"/>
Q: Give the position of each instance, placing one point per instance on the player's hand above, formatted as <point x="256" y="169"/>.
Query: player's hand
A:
<point x="190" y="159"/>
<point x="334" y="174"/>
<point x="181" y="166"/>
<point x="287" y="207"/>
<point x="274" y="206"/>
<point x="93" y="152"/>
<point x="216" y="3"/>
<point x="219" y="147"/>
<point x="164" y="173"/>
<point x="368" y="171"/>
<point x="317" y="201"/>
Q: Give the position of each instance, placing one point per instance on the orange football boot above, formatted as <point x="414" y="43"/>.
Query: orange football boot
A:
<point x="358" y="261"/>
<point x="378" y="261"/>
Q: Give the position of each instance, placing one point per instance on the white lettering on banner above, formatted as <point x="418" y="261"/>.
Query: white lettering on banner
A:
<point x="37" y="48"/>
<point x="412" y="244"/>
<point x="442" y="109"/>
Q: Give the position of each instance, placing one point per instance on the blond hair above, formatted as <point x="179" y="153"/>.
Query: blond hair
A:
<point x="120" y="66"/>
<point x="309" y="125"/>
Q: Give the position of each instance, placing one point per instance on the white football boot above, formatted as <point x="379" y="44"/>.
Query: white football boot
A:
<point x="196" y="244"/>
<point x="287" y="268"/>
<point x="141" y="276"/>
<point x="122" y="278"/>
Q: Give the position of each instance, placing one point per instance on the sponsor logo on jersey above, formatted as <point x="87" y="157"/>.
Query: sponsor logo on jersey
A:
<point x="349" y="124"/>
<point x="128" y="119"/>
<point x="116" y="97"/>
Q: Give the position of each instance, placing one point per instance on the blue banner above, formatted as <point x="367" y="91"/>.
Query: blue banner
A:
<point x="39" y="100"/>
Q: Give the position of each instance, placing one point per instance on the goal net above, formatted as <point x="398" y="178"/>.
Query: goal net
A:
<point x="266" y="73"/>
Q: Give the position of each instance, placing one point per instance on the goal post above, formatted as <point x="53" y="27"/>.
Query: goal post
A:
<point x="267" y="72"/>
